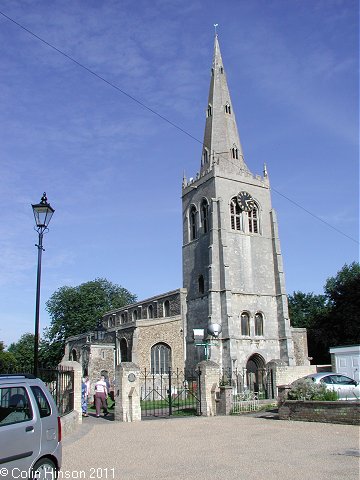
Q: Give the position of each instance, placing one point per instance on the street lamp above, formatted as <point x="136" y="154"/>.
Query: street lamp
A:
<point x="42" y="214"/>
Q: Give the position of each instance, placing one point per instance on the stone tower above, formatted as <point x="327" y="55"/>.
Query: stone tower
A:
<point x="232" y="263"/>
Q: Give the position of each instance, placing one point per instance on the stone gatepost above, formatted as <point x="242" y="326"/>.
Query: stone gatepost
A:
<point x="224" y="405"/>
<point x="209" y="384"/>
<point x="77" y="385"/>
<point x="127" y="392"/>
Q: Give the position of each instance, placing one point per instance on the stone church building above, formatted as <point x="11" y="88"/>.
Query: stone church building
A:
<point x="232" y="308"/>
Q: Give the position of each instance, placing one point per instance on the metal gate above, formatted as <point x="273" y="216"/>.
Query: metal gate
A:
<point x="170" y="393"/>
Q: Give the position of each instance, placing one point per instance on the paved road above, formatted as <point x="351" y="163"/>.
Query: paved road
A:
<point x="231" y="448"/>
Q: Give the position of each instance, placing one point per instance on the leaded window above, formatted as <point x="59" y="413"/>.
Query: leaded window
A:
<point x="245" y="324"/>
<point x="259" y="325"/>
<point x="160" y="358"/>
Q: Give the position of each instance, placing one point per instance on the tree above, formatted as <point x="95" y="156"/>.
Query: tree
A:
<point x="335" y="322"/>
<point x="305" y="307"/>
<point x="23" y="351"/>
<point x="76" y="310"/>
<point x="7" y="360"/>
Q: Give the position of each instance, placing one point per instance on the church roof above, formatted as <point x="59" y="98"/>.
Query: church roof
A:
<point x="221" y="137"/>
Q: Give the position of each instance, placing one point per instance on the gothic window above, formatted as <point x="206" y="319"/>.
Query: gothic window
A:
<point x="228" y="108"/>
<point x="122" y="319"/>
<point x="166" y="308"/>
<point x="259" y="325"/>
<point x="253" y="217"/>
<point x="135" y="315"/>
<point x="209" y="111"/>
<point x="201" y="284"/>
<point x="235" y="153"/>
<point x="245" y="324"/>
<point x="205" y="215"/>
<point x="193" y="223"/>
<point x="150" y="311"/>
<point x="235" y="215"/>
<point x="221" y="70"/>
<point x="160" y="358"/>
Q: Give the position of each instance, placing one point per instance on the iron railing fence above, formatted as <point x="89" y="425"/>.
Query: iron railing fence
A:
<point x="243" y="382"/>
<point x="170" y="393"/>
<point x="59" y="381"/>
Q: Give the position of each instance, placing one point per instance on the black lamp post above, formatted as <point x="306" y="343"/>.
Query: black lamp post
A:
<point x="42" y="213"/>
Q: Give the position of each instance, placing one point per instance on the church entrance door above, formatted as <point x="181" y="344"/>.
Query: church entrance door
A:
<point x="255" y="375"/>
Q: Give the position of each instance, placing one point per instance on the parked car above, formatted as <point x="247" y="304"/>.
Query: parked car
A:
<point x="30" y="429"/>
<point x="347" y="388"/>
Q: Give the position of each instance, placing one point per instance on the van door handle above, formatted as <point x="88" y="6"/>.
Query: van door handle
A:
<point x="29" y="429"/>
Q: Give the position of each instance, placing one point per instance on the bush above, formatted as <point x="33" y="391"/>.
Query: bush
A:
<point x="306" y="389"/>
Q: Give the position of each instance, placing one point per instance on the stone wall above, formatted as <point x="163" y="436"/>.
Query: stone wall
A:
<point x="150" y="332"/>
<point x="300" y="346"/>
<point x="101" y="359"/>
<point x="328" y="412"/>
<point x="284" y="374"/>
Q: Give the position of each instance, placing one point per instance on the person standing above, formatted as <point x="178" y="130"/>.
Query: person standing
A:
<point x="101" y="394"/>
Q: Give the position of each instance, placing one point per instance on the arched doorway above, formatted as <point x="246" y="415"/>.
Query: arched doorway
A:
<point x="124" y="357"/>
<point x="255" y="374"/>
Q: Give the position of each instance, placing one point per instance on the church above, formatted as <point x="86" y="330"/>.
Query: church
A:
<point x="232" y="307"/>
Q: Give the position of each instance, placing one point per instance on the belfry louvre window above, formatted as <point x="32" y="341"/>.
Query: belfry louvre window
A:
<point x="193" y="223"/>
<point x="227" y="109"/>
<point x="209" y="111"/>
<point x="259" y="325"/>
<point x="253" y="217"/>
<point x="245" y="324"/>
<point x="205" y="215"/>
<point x="235" y="215"/>
<point x="160" y="358"/>
<point x="235" y="153"/>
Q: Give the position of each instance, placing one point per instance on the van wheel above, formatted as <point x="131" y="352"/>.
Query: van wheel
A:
<point x="44" y="469"/>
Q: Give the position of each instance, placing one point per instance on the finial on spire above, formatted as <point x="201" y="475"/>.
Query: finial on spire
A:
<point x="265" y="170"/>
<point x="216" y="25"/>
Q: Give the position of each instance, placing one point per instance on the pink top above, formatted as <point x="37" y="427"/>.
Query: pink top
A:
<point x="100" y="387"/>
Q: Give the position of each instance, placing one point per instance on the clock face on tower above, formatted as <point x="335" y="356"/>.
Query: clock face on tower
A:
<point x="245" y="201"/>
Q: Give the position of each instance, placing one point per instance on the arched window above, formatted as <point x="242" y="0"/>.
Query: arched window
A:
<point x="228" y="108"/>
<point x="259" y="325"/>
<point x="235" y="215"/>
<point x="150" y="311"/>
<point x="245" y="324"/>
<point x="193" y="223"/>
<point x="166" y="308"/>
<point x="205" y="156"/>
<point x="124" y="351"/>
<point x="253" y="217"/>
<point x="209" y="111"/>
<point x="201" y="284"/>
<point x="122" y="318"/>
<point x="205" y="215"/>
<point x="234" y="153"/>
<point x="221" y="70"/>
<point x="73" y="355"/>
<point x="134" y="315"/>
<point x="160" y="358"/>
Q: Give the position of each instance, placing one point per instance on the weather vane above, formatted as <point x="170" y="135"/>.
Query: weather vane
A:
<point x="216" y="25"/>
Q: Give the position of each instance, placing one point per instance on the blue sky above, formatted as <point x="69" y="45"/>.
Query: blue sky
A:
<point x="113" y="170"/>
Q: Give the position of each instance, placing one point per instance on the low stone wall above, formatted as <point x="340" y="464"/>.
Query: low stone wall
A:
<point x="70" y="422"/>
<point x="344" y="412"/>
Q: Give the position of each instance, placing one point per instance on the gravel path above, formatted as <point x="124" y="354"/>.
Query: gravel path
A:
<point x="207" y="448"/>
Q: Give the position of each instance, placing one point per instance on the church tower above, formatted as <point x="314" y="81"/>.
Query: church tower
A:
<point x="232" y="263"/>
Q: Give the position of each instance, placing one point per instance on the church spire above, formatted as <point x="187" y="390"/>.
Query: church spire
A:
<point x="221" y="139"/>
